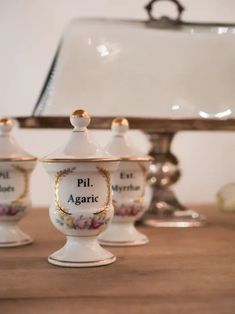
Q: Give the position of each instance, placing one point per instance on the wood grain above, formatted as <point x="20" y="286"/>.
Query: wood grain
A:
<point x="180" y="270"/>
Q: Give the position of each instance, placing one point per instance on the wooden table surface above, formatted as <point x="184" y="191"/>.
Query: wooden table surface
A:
<point x="179" y="271"/>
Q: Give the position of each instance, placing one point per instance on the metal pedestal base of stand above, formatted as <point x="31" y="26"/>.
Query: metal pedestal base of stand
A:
<point x="165" y="210"/>
<point x="168" y="212"/>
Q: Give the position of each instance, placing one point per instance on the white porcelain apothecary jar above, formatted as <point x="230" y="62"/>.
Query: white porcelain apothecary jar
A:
<point x="80" y="174"/>
<point x="16" y="166"/>
<point x="128" y="186"/>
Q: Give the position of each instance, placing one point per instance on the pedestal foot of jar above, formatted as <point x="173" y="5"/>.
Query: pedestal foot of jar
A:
<point x="81" y="252"/>
<point x="11" y="235"/>
<point x="122" y="234"/>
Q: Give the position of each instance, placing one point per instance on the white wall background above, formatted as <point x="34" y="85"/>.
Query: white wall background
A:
<point x="29" y="33"/>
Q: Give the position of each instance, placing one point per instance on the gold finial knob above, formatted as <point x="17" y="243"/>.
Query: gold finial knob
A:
<point x="80" y="113"/>
<point x="6" y="125"/>
<point x="80" y="119"/>
<point x="120" y="121"/>
<point x="120" y="125"/>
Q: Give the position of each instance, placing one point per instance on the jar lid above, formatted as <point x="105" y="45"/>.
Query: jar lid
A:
<point x="121" y="146"/>
<point x="9" y="148"/>
<point x="80" y="147"/>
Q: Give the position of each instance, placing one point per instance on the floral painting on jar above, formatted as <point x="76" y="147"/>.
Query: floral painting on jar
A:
<point x="127" y="210"/>
<point x="83" y="222"/>
<point x="11" y="209"/>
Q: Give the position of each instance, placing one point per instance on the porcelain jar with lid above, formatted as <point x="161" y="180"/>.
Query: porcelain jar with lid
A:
<point x="128" y="187"/>
<point x="16" y="166"/>
<point x="80" y="174"/>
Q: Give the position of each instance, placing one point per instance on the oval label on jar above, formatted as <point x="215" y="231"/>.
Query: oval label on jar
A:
<point x="13" y="183"/>
<point x="75" y="191"/>
<point x="128" y="182"/>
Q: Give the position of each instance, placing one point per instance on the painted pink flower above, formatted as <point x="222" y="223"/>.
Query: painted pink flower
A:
<point x="82" y="222"/>
<point x="96" y="223"/>
<point x="3" y="210"/>
<point x="12" y="211"/>
<point x="134" y="210"/>
<point x="125" y="210"/>
<point x="121" y="211"/>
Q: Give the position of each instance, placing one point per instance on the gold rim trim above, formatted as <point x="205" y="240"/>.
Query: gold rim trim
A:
<point x="71" y="160"/>
<point x="29" y="240"/>
<point x="18" y="158"/>
<point x="57" y="160"/>
<point x="81" y="262"/>
<point x="121" y="242"/>
<point x="143" y="158"/>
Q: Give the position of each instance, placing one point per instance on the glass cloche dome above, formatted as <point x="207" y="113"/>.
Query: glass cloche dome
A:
<point x="155" y="68"/>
